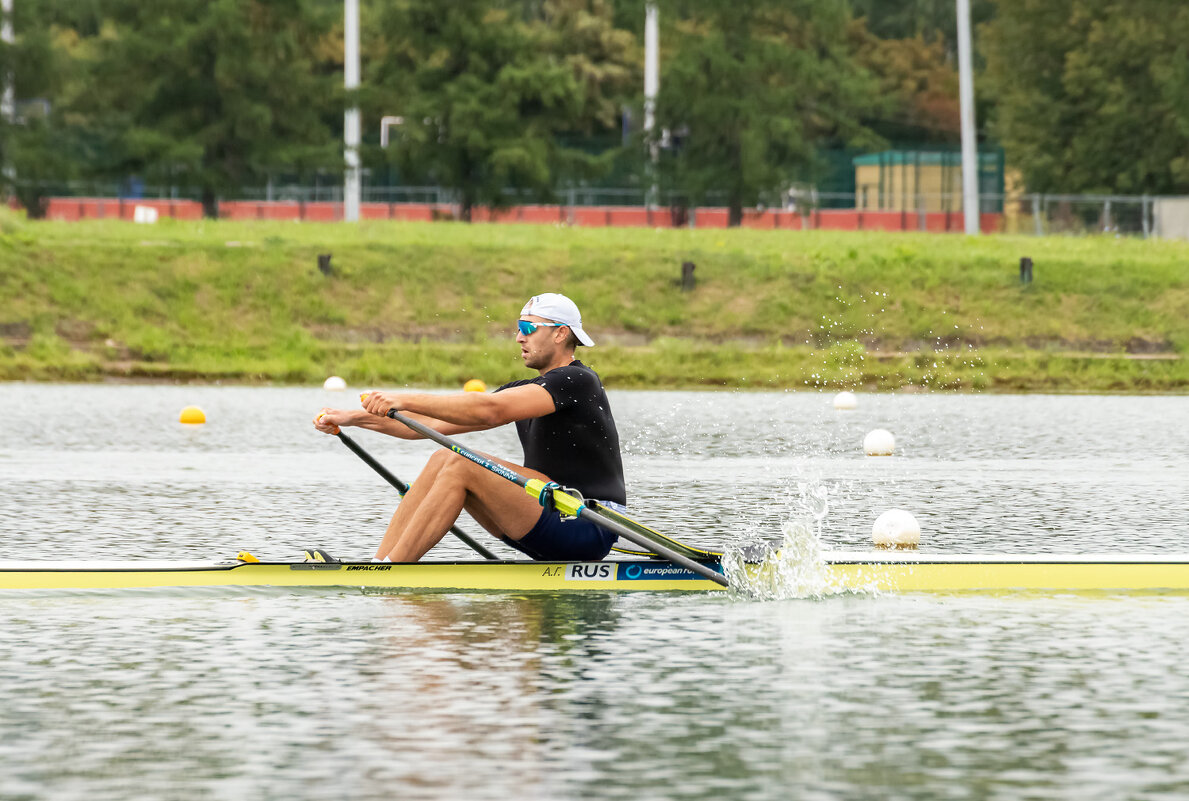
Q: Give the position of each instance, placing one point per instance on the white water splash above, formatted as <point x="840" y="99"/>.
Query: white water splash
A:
<point x="796" y="569"/>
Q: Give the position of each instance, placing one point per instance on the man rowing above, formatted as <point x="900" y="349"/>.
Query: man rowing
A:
<point x="565" y="425"/>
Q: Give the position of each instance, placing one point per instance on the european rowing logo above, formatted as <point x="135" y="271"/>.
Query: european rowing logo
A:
<point x="589" y="571"/>
<point x="634" y="571"/>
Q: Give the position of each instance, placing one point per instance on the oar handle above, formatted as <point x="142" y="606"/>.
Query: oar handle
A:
<point x="564" y="501"/>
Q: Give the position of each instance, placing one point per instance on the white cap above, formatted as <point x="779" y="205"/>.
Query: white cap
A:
<point x="559" y="309"/>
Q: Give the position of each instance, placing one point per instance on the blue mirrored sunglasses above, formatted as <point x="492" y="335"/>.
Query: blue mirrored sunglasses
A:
<point x="527" y="328"/>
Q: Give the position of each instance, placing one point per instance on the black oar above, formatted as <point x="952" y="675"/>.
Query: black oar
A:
<point x="402" y="488"/>
<point x="564" y="502"/>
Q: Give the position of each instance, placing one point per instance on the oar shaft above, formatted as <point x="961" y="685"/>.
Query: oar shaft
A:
<point x="661" y="550"/>
<point x="584" y="512"/>
<point x="402" y="488"/>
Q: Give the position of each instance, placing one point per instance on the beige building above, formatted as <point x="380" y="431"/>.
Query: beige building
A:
<point x="923" y="180"/>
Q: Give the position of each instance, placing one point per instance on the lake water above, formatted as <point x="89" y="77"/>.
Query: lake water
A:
<point x="335" y="694"/>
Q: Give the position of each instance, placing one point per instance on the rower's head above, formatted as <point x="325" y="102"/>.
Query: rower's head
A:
<point x="548" y="331"/>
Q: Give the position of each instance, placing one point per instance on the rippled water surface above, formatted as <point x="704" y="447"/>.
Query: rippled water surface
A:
<point x="336" y="694"/>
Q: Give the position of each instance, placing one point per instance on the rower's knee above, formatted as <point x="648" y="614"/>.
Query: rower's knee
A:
<point x="438" y="462"/>
<point x="453" y="467"/>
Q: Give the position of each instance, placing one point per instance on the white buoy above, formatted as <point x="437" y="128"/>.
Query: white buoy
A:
<point x="334" y="384"/>
<point x="845" y="401"/>
<point x="896" y="528"/>
<point x="879" y="443"/>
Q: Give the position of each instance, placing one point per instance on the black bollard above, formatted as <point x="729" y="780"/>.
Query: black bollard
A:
<point x="324" y="264"/>
<point x="1025" y="270"/>
<point x="687" y="276"/>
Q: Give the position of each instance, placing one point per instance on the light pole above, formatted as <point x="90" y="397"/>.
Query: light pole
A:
<point x="351" y="116"/>
<point x="7" y="97"/>
<point x="7" y="93"/>
<point x="970" y="209"/>
<point x="652" y="81"/>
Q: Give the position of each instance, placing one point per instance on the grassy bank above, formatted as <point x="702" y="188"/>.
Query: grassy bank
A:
<point x="436" y="303"/>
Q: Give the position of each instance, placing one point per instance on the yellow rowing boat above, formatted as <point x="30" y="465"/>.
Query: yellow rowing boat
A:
<point x="837" y="572"/>
<point x="917" y="572"/>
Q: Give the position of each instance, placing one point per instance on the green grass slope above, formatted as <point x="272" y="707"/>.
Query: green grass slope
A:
<point x="436" y="303"/>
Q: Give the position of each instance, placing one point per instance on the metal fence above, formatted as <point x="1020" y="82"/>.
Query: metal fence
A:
<point x="1042" y="214"/>
<point x="1031" y="214"/>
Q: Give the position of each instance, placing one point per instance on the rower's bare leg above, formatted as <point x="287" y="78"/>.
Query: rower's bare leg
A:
<point x="458" y="484"/>
<point x="413" y="498"/>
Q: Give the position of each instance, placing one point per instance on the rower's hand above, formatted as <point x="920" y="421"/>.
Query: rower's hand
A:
<point x="378" y="403"/>
<point x="328" y="420"/>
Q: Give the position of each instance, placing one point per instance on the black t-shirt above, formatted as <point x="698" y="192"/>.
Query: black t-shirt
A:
<point x="577" y="445"/>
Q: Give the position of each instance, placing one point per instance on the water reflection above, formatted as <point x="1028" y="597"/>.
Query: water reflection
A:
<point x="550" y="696"/>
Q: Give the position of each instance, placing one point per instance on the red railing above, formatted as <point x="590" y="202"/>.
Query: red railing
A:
<point x="80" y="208"/>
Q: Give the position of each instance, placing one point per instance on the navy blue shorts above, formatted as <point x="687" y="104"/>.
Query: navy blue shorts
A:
<point x="573" y="540"/>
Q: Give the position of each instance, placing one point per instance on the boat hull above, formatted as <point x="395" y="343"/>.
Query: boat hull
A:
<point x="965" y="573"/>
<point x="508" y="576"/>
<point x="840" y="572"/>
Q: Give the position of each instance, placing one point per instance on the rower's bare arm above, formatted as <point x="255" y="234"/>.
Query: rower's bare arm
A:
<point x="329" y="420"/>
<point x="391" y="427"/>
<point x="467" y="411"/>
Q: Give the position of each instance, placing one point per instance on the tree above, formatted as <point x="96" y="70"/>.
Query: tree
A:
<point x="38" y="147"/>
<point x="918" y="87"/>
<point x="214" y="93"/>
<point x="751" y="88"/>
<point x="485" y="88"/>
<point x="605" y="60"/>
<point x="1093" y="95"/>
<point x="933" y="21"/>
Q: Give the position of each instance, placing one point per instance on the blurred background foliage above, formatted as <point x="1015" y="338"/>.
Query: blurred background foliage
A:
<point x="513" y="100"/>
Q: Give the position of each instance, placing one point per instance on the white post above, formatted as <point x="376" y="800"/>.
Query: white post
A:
<point x="385" y="124"/>
<point x="652" y="82"/>
<point x="970" y="209"/>
<point x="7" y="97"/>
<point x="8" y="106"/>
<point x="351" y="117"/>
